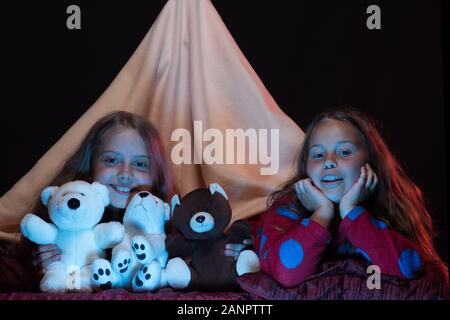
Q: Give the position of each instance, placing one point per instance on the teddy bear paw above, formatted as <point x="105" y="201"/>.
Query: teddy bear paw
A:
<point x="103" y="275"/>
<point x="121" y="262"/>
<point x="148" y="278"/>
<point x="50" y="286"/>
<point x="247" y="262"/>
<point x="142" y="249"/>
<point x="177" y="273"/>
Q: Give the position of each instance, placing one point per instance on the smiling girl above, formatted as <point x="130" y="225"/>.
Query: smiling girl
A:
<point x="349" y="199"/>
<point x="122" y="151"/>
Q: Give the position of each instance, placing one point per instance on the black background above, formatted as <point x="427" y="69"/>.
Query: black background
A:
<point x="310" y="55"/>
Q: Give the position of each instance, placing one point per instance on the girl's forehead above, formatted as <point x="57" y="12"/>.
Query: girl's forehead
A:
<point x="330" y="130"/>
<point x="122" y="138"/>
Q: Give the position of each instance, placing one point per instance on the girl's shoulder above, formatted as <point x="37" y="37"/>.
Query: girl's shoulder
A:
<point x="284" y="201"/>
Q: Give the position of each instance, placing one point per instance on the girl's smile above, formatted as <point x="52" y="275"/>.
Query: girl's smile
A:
<point x="122" y="189"/>
<point x="330" y="181"/>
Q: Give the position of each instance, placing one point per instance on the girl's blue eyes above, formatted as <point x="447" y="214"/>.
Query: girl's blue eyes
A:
<point x="141" y="165"/>
<point x="110" y="161"/>
<point x="138" y="164"/>
<point x="317" y="156"/>
<point x="344" y="152"/>
<point x="341" y="153"/>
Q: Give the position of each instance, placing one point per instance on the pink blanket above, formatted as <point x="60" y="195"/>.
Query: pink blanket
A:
<point x="121" y="294"/>
<point x="347" y="280"/>
<point x="336" y="280"/>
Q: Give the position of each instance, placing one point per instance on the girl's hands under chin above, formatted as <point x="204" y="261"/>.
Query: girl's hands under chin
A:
<point x="360" y="190"/>
<point x="311" y="197"/>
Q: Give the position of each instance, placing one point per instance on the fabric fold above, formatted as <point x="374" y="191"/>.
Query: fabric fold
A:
<point x="187" y="70"/>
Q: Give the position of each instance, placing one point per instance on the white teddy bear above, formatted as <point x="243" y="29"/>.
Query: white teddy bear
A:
<point x="75" y="209"/>
<point x="144" y="242"/>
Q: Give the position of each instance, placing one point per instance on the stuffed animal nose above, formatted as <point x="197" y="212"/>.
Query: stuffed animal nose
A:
<point x="73" y="203"/>
<point x="143" y="194"/>
<point x="200" y="219"/>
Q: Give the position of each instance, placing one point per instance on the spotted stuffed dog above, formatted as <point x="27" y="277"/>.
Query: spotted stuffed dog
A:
<point x="143" y="243"/>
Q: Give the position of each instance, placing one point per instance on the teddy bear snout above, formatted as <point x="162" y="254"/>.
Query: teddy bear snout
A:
<point x="143" y="194"/>
<point x="73" y="203"/>
<point x="202" y="222"/>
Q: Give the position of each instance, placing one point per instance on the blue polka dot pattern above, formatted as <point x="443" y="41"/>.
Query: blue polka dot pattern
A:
<point x="346" y="248"/>
<point x="409" y="262"/>
<point x="305" y="222"/>
<point x="287" y="213"/>
<point x="259" y="232"/>
<point x="262" y="243"/>
<point x="291" y="253"/>
<point x="355" y="213"/>
<point x="364" y="254"/>
<point x="378" y="223"/>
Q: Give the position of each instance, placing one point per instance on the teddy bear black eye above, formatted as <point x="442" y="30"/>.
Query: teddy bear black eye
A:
<point x="82" y="194"/>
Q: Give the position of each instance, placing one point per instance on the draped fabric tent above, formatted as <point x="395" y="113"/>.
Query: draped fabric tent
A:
<point x="187" y="68"/>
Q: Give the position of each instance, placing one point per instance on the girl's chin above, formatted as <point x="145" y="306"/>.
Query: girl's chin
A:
<point x="334" y="197"/>
<point x="119" y="204"/>
<point x="118" y="199"/>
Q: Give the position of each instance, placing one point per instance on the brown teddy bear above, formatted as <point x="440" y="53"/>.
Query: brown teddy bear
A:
<point x="198" y="247"/>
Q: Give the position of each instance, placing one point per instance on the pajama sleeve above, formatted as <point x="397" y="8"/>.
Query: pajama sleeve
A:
<point x="380" y="245"/>
<point x="289" y="246"/>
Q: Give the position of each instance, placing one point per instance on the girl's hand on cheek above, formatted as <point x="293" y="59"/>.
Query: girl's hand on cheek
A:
<point x="360" y="190"/>
<point x="311" y="197"/>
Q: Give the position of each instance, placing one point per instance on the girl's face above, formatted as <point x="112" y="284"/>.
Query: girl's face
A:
<point x="335" y="157"/>
<point x="121" y="162"/>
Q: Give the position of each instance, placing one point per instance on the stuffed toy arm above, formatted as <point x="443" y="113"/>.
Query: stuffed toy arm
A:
<point x="125" y="244"/>
<point x="108" y="234"/>
<point x="37" y="230"/>
<point x="179" y="246"/>
<point x="239" y="231"/>
<point x="157" y="245"/>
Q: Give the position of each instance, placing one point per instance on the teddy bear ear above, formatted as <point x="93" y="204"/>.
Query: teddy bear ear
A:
<point x="47" y="193"/>
<point x="215" y="187"/>
<point x="102" y="191"/>
<point x="175" y="201"/>
<point x="167" y="212"/>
